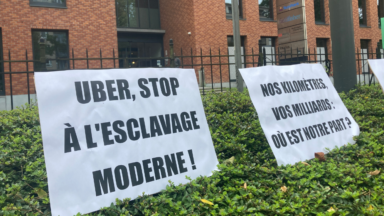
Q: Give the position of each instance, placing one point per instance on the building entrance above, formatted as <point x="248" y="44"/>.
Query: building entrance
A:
<point x="140" y="50"/>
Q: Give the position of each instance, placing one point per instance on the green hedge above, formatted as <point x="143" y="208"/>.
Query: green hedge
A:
<point x="346" y="184"/>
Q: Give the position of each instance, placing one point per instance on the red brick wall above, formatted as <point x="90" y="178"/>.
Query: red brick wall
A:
<point x="91" y="24"/>
<point x="212" y="28"/>
<point x="372" y="31"/>
<point x="177" y="18"/>
<point x="315" y="31"/>
<point x="207" y="22"/>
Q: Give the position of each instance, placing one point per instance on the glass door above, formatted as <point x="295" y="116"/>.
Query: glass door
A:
<point x="139" y="54"/>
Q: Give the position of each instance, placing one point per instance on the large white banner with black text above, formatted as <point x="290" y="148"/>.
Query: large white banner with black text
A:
<point x="111" y="134"/>
<point x="299" y="110"/>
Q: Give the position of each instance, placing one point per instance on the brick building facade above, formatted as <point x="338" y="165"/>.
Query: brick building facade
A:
<point x="211" y="27"/>
<point x="143" y="28"/>
<point x="88" y="25"/>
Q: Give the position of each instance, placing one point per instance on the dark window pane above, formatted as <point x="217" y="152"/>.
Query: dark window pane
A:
<point x="362" y="13"/>
<point x="319" y="11"/>
<point x="230" y="41"/>
<point x="48" y="48"/>
<point x="133" y="51"/>
<point x="380" y="10"/>
<point x="133" y="14"/>
<point x="154" y="14"/>
<point x="124" y="51"/>
<point x="154" y="4"/>
<point x="228" y="8"/>
<point x="321" y="42"/>
<point x="267" y="41"/>
<point x="48" y="2"/>
<point x="266" y="9"/>
<point x="364" y="44"/>
<point x="143" y="3"/>
<point x="155" y="52"/>
<point x="122" y="15"/>
<point x="144" y="13"/>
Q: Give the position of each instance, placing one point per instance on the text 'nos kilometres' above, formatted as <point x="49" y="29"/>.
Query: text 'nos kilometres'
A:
<point x="272" y="89"/>
<point x="299" y="110"/>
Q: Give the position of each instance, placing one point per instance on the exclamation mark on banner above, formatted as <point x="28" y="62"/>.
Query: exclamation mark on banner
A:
<point x="192" y="159"/>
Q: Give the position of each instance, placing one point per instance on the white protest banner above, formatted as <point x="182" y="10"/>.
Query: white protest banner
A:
<point x="111" y="134"/>
<point x="377" y="66"/>
<point x="299" y="110"/>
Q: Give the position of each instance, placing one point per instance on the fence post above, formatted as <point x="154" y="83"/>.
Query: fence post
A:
<point x="10" y="77"/>
<point x="259" y="63"/>
<point x="26" y="60"/>
<point x="237" y="44"/>
<point x="171" y="53"/>
<point x="378" y="53"/>
<point x="264" y="58"/>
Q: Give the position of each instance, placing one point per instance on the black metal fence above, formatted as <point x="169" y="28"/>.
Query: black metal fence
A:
<point x="215" y="69"/>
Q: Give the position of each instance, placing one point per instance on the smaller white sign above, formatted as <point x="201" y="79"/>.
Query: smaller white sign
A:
<point x="299" y="110"/>
<point x="377" y="66"/>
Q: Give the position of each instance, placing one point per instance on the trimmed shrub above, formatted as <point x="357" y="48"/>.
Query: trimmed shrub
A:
<point x="350" y="182"/>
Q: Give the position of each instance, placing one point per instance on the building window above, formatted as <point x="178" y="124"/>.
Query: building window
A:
<point x="319" y="12"/>
<point x="48" y="48"/>
<point x="231" y="41"/>
<point x="48" y="3"/>
<point x="266" y="9"/>
<point x="362" y="13"/>
<point x="380" y="10"/>
<point x="364" y="55"/>
<point x="364" y="44"/>
<point x="228" y="8"/>
<point x="231" y="56"/>
<point x="143" y="14"/>
<point x="268" y="41"/>
<point x="321" y="42"/>
<point x="321" y="51"/>
<point x="268" y="48"/>
<point x="2" y="85"/>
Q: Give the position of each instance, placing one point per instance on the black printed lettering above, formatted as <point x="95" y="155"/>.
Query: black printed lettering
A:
<point x="106" y="183"/>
